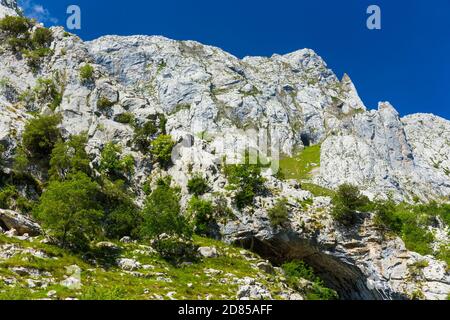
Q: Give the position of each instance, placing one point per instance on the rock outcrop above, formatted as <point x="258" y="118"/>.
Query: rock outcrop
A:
<point x="359" y="263"/>
<point x="13" y="220"/>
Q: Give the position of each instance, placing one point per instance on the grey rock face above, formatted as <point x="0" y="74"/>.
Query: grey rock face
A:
<point x="375" y="150"/>
<point x="8" y="8"/>
<point x="429" y="137"/>
<point x="210" y="93"/>
<point x="206" y="90"/>
<point x="359" y="263"/>
<point x="20" y="223"/>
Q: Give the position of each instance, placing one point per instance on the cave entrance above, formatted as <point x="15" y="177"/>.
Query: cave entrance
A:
<point x="346" y="279"/>
<point x="306" y="140"/>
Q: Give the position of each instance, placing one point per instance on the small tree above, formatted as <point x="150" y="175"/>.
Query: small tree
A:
<point x="69" y="157"/>
<point x="112" y="162"/>
<point x="70" y="212"/>
<point x="247" y="180"/>
<point x="347" y="202"/>
<point x="279" y="214"/>
<point x="161" y="149"/>
<point x="162" y="213"/>
<point x="110" y="158"/>
<point x="122" y="217"/>
<point x="198" y="185"/>
<point x="41" y="135"/>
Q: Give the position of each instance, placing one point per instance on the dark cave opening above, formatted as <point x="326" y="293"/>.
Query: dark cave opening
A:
<point x="346" y="279"/>
<point x="306" y="140"/>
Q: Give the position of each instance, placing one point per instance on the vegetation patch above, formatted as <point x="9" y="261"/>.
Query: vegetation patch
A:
<point x="161" y="149"/>
<point x="279" y="213"/>
<point x="33" y="46"/>
<point x="198" y="185"/>
<point x="87" y="73"/>
<point x="297" y="271"/>
<point x="246" y="179"/>
<point x="348" y="201"/>
<point x="300" y="166"/>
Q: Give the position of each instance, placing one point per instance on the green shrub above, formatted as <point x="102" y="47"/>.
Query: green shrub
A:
<point x="161" y="149"/>
<point x="47" y="90"/>
<point x="411" y="222"/>
<point x="123" y="221"/>
<point x="297" y="270"/>
<point x="42" y="37"/>
<point x="15" y="26"/>
<point x="202" y="213"/>
<point x="34" y="47"/>
<point x="143" y="134"/>
<point x="70" y="212"/>
<point x="247" y="180"/>
<point x="162" y="213"/>
<point x="417" y="238"/>
<point x="128" y="164"/>
<point x="279" y="214"/>
<point x="18" y="44"/>
<point x="11" y="199"/>
<point x="198" y="185"/>
<point x="34" y="57"/>
<point x="40" y="135"/>
<point x="122" y="216"/>
<point x="110" y="158"/>
<point x="69" y="157"/>
<point x="175" y="249"/>
<point x="104" y="103"/>
<point x="87" y="73"/>
<point x="112" y="163"/>
<point x="125" y="118"/>
<point x="347" y="202"/>
<point x="21" y="161"/>
<point x="222" y="212"/>
<point x="385" y="216"/>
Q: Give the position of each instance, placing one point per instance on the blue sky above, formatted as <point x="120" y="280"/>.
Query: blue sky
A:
<point x="406" y="63"/>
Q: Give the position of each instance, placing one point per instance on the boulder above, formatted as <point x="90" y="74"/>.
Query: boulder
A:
<point x="266" y="267"/>
<point x="105" y="245"/>
<point x="208" y="252"/>
<point x="19" y="222"/>
<point x="128" y="264"/>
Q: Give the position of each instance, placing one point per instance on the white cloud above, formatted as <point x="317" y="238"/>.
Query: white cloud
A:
<point x="37" y="11"/>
